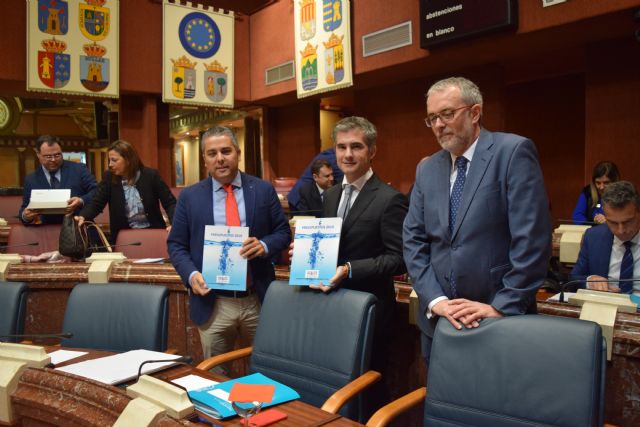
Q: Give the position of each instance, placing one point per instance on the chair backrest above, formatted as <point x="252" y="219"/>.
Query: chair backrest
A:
<point x="9" y="208"/>
<point x="154" y="242"/>
<point x="47" y="236"/>
<point x="13" y="306"/>
<point x="314" y="342"/>
<point x="517" y="371"/>
<point x="117" y="317"/>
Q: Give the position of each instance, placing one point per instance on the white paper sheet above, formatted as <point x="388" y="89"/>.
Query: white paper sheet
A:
<point x="556" y="297"/>
<point x="193" y="382"/>
<point x="120" y="367"/>
<point x="148" y="260"/>
<point x="61" y="195"/>
<point x="60" y="356"/>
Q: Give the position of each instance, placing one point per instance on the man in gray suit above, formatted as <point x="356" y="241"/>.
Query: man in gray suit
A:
<point x="477" y="237"/>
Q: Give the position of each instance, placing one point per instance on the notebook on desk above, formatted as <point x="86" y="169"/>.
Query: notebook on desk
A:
<point x="213" y="401"/>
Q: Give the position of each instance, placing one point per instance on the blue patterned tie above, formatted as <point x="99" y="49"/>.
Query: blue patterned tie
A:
<point x="55" y="184"/>
<point x="456" y="191"/>
<point x="626" y="269"/>
<point x="454" y="204"/>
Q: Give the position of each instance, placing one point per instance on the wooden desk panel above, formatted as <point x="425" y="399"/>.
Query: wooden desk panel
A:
<point x="47" y="397"/>
<point x="50" y="286"/>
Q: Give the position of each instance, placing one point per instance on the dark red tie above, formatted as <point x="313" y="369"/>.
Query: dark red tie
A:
<point x="231" y="206"/>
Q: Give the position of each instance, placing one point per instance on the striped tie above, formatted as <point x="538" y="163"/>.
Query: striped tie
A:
<point x="626" y="269"/>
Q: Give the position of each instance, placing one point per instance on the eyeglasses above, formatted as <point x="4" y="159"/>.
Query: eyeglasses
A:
<point x="56" y="156"/>
<point x="445" y="116"/>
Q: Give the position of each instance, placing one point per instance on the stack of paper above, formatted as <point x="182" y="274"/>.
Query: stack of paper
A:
<point x="120" y="367"/>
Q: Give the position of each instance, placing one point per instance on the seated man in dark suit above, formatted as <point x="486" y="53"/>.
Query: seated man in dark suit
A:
<point x="56" y="173"/>
<point x="312" y="193"/>
<point x="329" y="155"/>
<point x="611" y="251"/>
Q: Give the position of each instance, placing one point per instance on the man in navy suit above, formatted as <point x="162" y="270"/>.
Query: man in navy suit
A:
<point x="56" y="173"/>
<point x="611" y="251"/>
<point x="222" y="316"/>
<point x="477" y="237"/>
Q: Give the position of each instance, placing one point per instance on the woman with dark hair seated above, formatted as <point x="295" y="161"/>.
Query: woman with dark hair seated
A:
<point x="132" y="191"/>
<point x="589" y="206"/>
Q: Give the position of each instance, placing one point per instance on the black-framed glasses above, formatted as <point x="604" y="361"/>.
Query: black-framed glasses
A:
<point x="56" y="156"/>
<point x="446" y="116"/>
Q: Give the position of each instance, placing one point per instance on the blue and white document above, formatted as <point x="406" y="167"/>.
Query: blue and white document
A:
<point x="222" y="265"/>
<point x="315" y="251"/>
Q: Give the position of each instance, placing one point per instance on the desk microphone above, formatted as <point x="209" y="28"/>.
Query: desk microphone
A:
<point x="570" y="221"/>
<point x="563" y="287"/>
<point x="21" y="245"/>
<point x="116" y="246"/>
<point x="182" y="360"/>
<point x="37" y="336"/>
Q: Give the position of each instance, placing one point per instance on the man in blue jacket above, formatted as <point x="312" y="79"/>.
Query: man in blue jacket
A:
<point x="56" y="173"/>
<point x="226" y="197"/>
<point x="611" y="251"/>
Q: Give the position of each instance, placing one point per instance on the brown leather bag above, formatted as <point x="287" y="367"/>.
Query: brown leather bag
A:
<point x="74" y="240"/>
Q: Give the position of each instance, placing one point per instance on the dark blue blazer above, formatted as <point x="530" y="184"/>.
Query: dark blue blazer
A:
<point x="75" y="176"/>
<point x="265" y="220"/>
<point x="595" y="253"/>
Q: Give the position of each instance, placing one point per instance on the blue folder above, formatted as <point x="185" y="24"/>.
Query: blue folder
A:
<point x="220" y="409"/>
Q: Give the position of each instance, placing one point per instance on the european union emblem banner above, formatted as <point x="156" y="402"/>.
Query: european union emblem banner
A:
<point x="197" y="56"/>
<point x="322" y="45"/>
<point x="72" y="47"/>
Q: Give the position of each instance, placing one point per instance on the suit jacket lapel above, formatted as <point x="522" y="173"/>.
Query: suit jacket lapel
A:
<point x="364" y="199"/>
<point x="442" y="176"/>
<point x="478" y="167"/>
<point x="249" y="193"/>
<point x="64" y="175"/>
<point x="207" y="211"/>
<point x="604" y="259"/>
<point x="331" y="200"/>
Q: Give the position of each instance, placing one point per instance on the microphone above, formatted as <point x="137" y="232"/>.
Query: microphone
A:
<point x="21" y="245"/>
<point x="563" y="287"/>
<point x="570" y="221"/>
<point x="182" y="360"/>
<point x="37" y="336"/>
<point x="116" y="246"/>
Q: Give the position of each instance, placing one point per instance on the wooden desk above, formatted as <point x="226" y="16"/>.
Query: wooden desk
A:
<point x="50" y="286"/>
<point x="49" y="397"/>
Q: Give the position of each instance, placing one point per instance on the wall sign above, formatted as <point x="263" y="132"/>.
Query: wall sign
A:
<point x="445" y="21"/>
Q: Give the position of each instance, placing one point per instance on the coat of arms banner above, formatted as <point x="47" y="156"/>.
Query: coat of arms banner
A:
<point x="322" y="45"/>
<point x="197" y="57"/>
<point x="72" y="47"/>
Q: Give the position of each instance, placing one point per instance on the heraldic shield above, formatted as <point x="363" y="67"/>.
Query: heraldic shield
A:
<point x="215" y="85"/>
<point x="334" y="59"/>
<point x="94" y="69"/>
<point x="183" y="82"/>
<point x="309" y="67"/>
<point x="307" y="19"/>
<point x="331" y="14"/>
<point x="53" y="17"/>
<point x="54" y="69"/>
<point x="94" y="20"/>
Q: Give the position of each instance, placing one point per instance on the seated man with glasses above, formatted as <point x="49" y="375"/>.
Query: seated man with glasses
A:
<point x="56" y="173"/>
